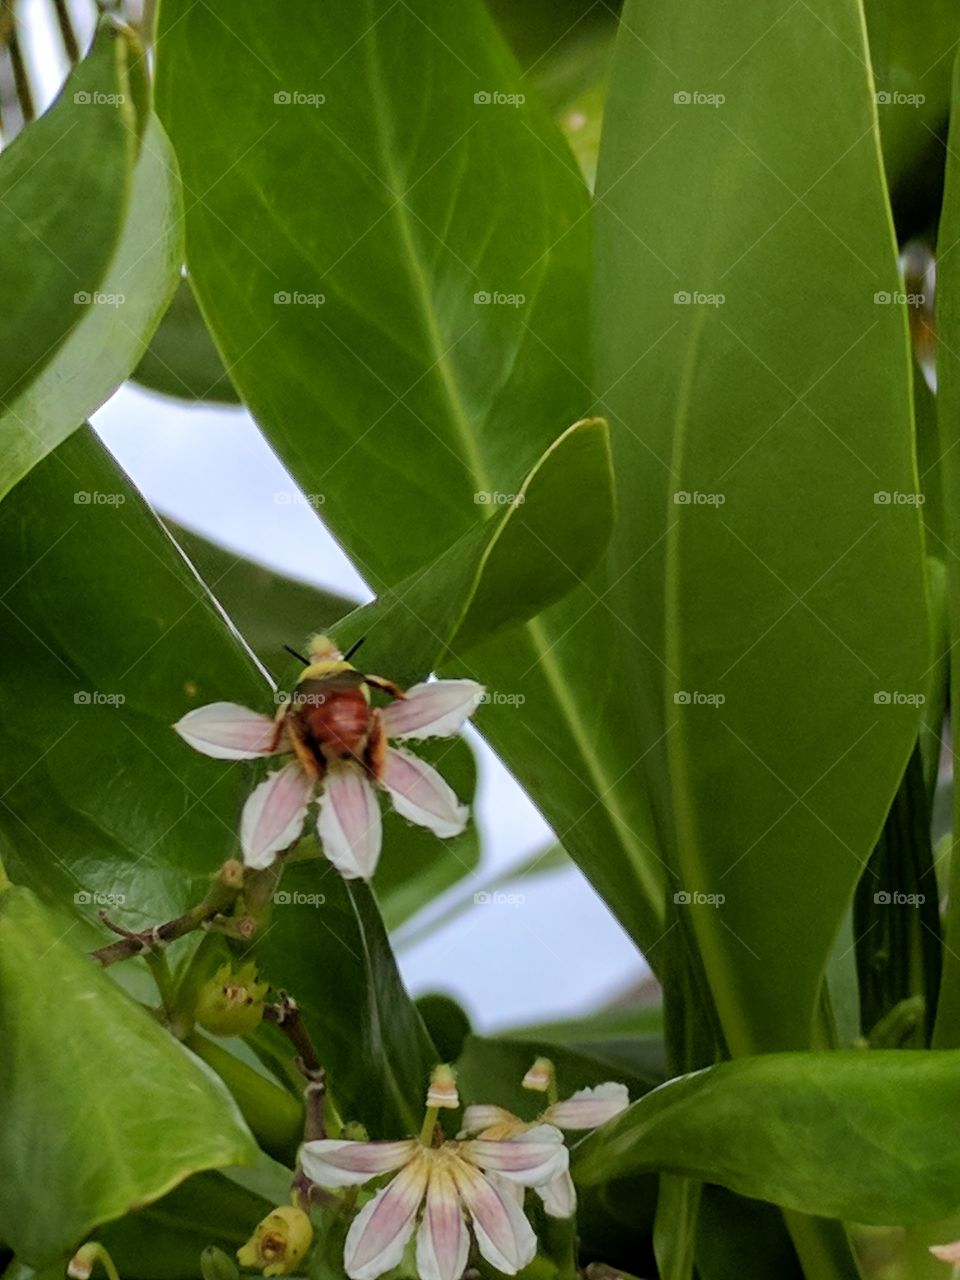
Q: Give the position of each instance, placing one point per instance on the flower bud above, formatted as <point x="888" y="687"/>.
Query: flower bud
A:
<point x="354" y="1131"/>
<point x="540" y="1077"/>
<point x="279" y="1242"/>
<point x="443" y="1088"/>
<point x="217" y="1265"/>
<point x="231" y="1002"/>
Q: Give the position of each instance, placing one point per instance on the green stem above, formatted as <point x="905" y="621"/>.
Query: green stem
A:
<point x="429" y="1125"/>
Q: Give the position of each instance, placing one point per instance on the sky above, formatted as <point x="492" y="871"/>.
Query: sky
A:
<point x="548" y="948"/>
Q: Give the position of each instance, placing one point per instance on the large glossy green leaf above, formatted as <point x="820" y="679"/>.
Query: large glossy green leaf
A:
<point x="947" y="1029"/>
<point x="115" y="638"/>
<point x="861" y="1135"/>
<point x="91" y="290"/>
<point x="415" y="393"/>
<point x="77" y="1142"/>
<point x="757" y="379"/>
<point x="502" y="571"/>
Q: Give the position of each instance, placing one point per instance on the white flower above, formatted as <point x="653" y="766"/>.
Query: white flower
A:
<point x="337" y="744"/>
<point x="475" y="1180"/>
<point x="585" y="1109"/>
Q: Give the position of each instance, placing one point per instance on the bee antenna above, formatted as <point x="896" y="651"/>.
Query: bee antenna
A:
<point x="353" y="649"/>
<point x="305" y="661"/>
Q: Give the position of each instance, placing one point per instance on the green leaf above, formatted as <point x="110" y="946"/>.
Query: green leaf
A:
<point x="181" y="360"/>
<point x="328" y="948"/>
<point x="79" y="1146"/>
<point x="947" y="1029"/>
<point x="860" y="1135"/>
<point x="97" y="286"/>
<point x="268" y="608"/>
<point x="503" y="570"/>
<point x="759" y="399"/>
<point x="400" y="399"/>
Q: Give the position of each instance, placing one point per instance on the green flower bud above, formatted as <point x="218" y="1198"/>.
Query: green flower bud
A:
<point x="231" y="1002"/>
<point x="354" y="1131"/>
<point x="217" y="1265"/>
<point x="279" y="1242"/>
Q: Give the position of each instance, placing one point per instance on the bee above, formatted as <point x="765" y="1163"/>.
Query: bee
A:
<point x="329" y="717"/>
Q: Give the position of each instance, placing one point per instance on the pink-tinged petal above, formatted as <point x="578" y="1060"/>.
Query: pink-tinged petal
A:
<point x="349" y="823"/>
<point x="380" y="1231"/>
<point x="227" y="731"/>
<point x="420" y="795"/>
<point x="274" y="815"/>
<point x="532" y="1157"/>
<point x="559" y="1197"/>
<point x="481" y="1115"/>
<point x="434" y="710"/>
<point x="947" y="1252"/>
<point x="589" y="1108"/>
<point x="332" y="1162"/>
<point x="504" y="1236"/>
<point x="443" y="1241"/>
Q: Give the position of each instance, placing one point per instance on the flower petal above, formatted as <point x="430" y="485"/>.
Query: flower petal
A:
<point x="274" y="814"/>
<point x="482" y="1115"/>
<point x="559" y="1196"/>
<point x="535" y="1156"/>
<point x="379" y="1233"/>
<point x="443" y="1241"/>
<point x="947" y="1252"/>
<point x="588" y="1108"/>
<point x="420" y="795"/>
<point x="349" y="823"/>
<point x="227" y="731"/>
<point x="504" y="1236"/>
<point x="437" y="709"/>
<point x="334" y="1162"/>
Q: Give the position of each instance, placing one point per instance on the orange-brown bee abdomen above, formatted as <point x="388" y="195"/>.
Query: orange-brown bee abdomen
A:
<point x="333" y="720"/>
